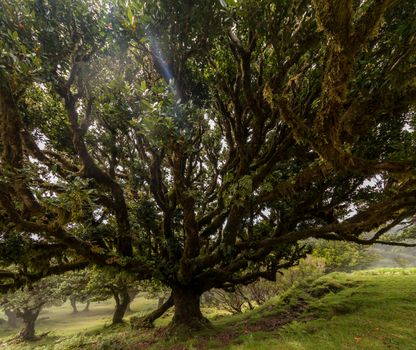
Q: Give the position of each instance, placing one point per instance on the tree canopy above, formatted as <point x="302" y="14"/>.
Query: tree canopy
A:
<point x="199" y="143"/>
<point x="26" y="303"/>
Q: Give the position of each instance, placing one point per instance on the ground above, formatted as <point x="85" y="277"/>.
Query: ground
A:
<point x="372" y="309"/>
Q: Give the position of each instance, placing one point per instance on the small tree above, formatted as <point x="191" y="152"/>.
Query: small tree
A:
<point x="29" y="301"/>
<point x="242" y="297"/>
<point x="73" y="285"/>
<point x="233" y="302"/>
<point x="343" y="256"/>
<point x="104" y="284"/>
<point x="261" y="291"/>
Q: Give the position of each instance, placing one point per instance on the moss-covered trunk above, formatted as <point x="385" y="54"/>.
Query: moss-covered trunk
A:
<point x="29" y="317"/>
<point x="122" y="299"/>
<point x="188" y="313"/>
<point x="73" y="302"/>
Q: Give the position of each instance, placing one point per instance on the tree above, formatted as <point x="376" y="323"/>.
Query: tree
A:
<point x="28" y="302"/>
<point x="198" y="143"/>
<point x="343" y="256"/>
<point x="232" y="301"/>
<point x="105" y="284"/>
<point x="73" y="285"/>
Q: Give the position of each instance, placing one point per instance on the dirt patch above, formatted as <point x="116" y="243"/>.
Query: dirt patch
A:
<point x="272" y="322"/>
<point x="265" y="324"/>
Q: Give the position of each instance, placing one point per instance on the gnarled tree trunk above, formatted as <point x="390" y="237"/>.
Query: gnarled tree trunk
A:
<point x="29" y="317"/>
<point x="73" y="302"/>
<point x="122" y="299"/>
<point x="11" y="318"/>
<point x="188" y="315"/>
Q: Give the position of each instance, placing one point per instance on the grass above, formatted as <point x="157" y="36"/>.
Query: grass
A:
<point x="372" y="309"/>
<point x="60" y="321"/>
<point x="376" y="310"/>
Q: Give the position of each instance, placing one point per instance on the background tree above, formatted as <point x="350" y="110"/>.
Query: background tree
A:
<point x="343" y="256"/>
<point x="74" y="286"/>
<point x="28" y="302"/>
<point x="105" y="284"/>
<point x="241" y="297"/>
<point x="198" y="143"/>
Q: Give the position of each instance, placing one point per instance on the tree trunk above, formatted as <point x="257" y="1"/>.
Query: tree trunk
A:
<point x="73" y="302"/>
<point x="187" y="316"/>
<point x="122" y="302"/>
<point x="29" y="317"/>
<point x="147" y="321"/>
<point x="11" y="318"/>
<point x="87" y="306"/>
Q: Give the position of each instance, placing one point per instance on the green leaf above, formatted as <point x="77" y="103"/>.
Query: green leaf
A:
<point x="15" y="36"/>
<point x="130" y="15"/>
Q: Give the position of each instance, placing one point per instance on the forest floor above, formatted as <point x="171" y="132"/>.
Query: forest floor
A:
<point x="374" y="309"/>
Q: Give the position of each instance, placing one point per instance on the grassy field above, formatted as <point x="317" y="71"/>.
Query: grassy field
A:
<point x="61" y="322"/>
<point x="371" y="310"/>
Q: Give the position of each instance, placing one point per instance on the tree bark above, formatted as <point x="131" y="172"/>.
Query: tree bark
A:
<point x="147" y="321"/>
<point x="73" y="302"/>
<point x="29" y="317"/>
<point x="122" y="302"/>
<point x="11" y="318"/>
<point x="187" y="314"/>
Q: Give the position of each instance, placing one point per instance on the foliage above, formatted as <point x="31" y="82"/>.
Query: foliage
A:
<point x="28" y="302"/>
<point x="255" y="294"/>
<point x="108" y="283"/>
<point x="200" y="143"/>
<point x="343" y="256"/>
<point x="73" y="286"/>
<point x="45" y="292"/>
<point x="233" y="301"/>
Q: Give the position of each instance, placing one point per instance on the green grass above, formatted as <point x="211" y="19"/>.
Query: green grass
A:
<point x="60" y="321"/>
<point x="377" y="311"/>
<point x="372" y="310"/>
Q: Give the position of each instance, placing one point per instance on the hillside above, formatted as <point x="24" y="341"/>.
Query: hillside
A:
<point x="372" y="309"/>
